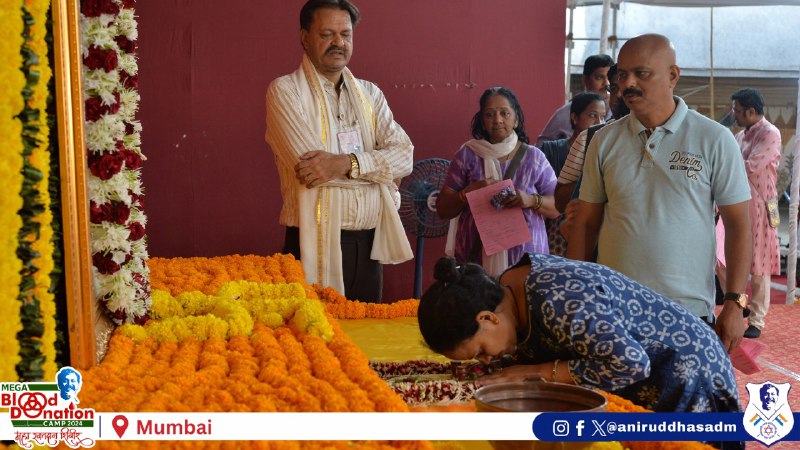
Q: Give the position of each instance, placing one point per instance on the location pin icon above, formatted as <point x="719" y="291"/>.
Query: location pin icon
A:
<point x="120" y="424"/>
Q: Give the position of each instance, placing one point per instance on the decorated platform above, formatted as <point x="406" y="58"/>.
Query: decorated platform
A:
<point x="247" y="333"/>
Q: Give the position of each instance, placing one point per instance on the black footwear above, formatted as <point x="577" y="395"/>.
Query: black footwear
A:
<point x="752" y="332"/>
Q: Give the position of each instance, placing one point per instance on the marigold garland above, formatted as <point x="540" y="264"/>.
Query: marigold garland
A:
<point x="342" y="308"/>
<point x="12" y="82"/>
<point x="37" y="340"/>
<point x="282" y="369"/>
<point x="207" y="275"/>
<point x="40" y="160"/>
<point x="231" y="312"/>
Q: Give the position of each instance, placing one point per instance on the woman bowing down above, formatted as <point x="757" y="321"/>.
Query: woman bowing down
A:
<point x="579" y="323"/>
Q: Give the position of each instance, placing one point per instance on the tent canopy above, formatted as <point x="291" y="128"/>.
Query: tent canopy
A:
<point x="688" y="3"/>
<point x="699" y="34"/>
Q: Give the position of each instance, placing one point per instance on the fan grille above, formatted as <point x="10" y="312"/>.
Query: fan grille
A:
<point x="418" y="193"/>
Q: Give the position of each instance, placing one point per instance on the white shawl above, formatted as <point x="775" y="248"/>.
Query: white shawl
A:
<point x="320" y="207"/>
<point x="495" y="264"/>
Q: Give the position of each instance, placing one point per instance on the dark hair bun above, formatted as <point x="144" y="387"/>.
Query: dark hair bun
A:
<point x="446" y="270"/>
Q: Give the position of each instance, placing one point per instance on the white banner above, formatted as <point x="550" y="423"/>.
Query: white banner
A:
<point x="293" y="426"/>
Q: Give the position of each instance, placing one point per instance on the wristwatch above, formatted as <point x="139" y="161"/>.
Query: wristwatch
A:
<point x="355" y="170"/>
<point x="739" y="299"/>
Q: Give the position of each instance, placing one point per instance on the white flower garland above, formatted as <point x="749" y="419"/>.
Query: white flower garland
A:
<point x="121" y="277"/>
<point x="420" y="382"/>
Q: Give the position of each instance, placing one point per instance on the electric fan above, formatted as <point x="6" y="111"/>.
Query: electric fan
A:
<point x="418" y="194"/>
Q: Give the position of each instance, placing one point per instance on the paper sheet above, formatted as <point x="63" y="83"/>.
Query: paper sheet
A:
<point x="744" y="357"/>
<point x="499" y="229"/>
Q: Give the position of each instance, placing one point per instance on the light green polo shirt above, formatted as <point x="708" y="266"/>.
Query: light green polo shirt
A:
<point x="658" y="224"/>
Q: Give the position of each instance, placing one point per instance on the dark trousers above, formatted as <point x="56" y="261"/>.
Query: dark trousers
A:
<point x="363" y="276"/>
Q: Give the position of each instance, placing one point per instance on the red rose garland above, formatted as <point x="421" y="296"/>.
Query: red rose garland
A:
<point x="108" y="43"/>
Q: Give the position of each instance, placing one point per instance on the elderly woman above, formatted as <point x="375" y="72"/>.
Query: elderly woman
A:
<point x="579" y="323"/>
<point x="499" y="134"/>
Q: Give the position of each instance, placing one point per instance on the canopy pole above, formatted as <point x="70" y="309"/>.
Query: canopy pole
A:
<point x="614" y="40"/>
<point x="711" y="73"/>
<point x="794" y="200"/>
<point x="569" y="44"/>
<point x="604" y="27"/>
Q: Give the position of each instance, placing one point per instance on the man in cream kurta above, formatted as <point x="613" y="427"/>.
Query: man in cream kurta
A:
<point x="338" y="152"/>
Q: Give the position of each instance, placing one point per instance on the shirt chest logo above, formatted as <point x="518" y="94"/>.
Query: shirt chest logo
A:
<point x="687" y="162"/>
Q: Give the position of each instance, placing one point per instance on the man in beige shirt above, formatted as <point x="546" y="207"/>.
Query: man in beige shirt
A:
<point x="338" y="152"/>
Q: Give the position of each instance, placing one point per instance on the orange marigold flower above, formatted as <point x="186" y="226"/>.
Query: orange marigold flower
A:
<point x="341" y="308"/>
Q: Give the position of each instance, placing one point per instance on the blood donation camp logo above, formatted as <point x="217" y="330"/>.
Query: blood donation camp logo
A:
<point x="768" y="417"/>
<point x="46" y="413"/>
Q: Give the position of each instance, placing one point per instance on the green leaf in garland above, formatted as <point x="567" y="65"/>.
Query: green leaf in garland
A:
<point x="57" y="283"/>
<point x="30" y="366"/>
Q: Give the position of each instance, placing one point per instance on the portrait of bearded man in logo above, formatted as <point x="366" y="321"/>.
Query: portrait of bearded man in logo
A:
<point x="769" y="397"/>
<point x="69" y="384"/>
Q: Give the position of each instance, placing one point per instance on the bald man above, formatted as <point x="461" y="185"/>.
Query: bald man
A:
<point x="651" y="182"/>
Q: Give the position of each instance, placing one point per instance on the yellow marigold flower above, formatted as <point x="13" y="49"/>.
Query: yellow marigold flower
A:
<point x="135" y="332"/>
<point x="239" y="320"/>
<point x="232" y="290"/>
<point x="164" y="305"/>
<point x="271" y="319"/>
<point x="311" y="318"/>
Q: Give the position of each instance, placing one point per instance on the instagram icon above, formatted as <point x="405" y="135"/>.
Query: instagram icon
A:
<point x="560" y="428"/>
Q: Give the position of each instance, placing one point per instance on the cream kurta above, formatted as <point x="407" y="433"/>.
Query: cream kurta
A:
<point x="294" y="128"/>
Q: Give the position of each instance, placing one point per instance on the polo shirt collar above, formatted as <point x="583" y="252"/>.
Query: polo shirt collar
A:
<point x="671" y="125"/>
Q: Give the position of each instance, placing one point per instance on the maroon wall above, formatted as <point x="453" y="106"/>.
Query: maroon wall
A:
<point x="210" y="179"/>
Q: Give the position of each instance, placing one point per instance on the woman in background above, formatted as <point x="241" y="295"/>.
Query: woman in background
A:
<point x="498" y="129"/>
<point x="586" y="109"/>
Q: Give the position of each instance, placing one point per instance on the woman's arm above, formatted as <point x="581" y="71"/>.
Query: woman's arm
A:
<point x="548" y="208"/>
<point x="544" y="205"/>
<point x="450" y="202"/>
<point x="553" y="371"/>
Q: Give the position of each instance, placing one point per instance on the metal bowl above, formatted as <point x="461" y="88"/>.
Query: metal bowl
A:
<point x="538" y="397"/>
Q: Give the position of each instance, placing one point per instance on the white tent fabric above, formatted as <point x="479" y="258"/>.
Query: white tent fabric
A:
<point x="690" y="3"/>
<point x="791" y="257"/>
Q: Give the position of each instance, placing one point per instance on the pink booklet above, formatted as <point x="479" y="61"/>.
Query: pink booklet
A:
<point x="744" y="357"/>
<point x="500" y="229"/>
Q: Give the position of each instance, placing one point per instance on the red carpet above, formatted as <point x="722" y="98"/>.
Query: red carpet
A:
<point x="778" y="292"/>
<point x="783" y="349"/>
